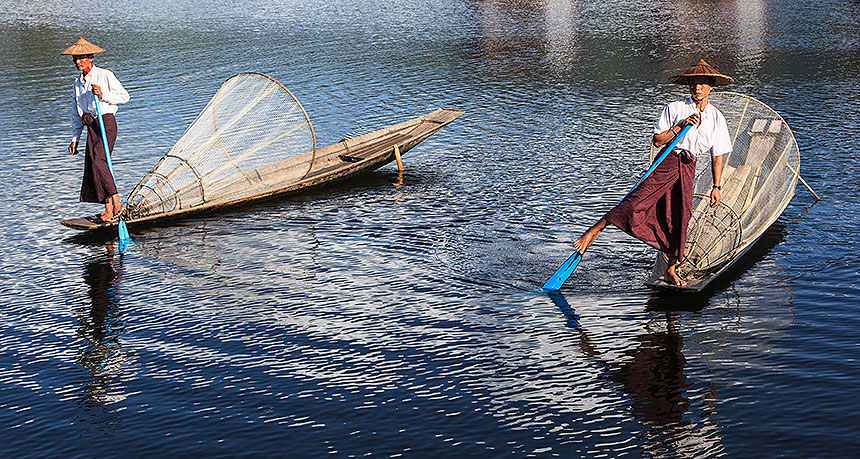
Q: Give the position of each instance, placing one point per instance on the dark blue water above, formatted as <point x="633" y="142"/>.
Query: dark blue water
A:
<point x="374" y="320"/>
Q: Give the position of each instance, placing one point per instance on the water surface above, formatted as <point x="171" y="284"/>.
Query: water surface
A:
<point x="372" y="319"/>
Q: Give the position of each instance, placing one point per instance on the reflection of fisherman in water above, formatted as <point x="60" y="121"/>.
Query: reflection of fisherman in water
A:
<point x="101" y="326"/>
<point x="653" y="374"/>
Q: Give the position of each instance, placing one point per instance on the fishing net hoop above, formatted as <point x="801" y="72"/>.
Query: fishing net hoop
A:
<point x="251" y="123"/>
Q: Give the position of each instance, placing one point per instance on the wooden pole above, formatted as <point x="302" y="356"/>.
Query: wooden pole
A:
<point x="803" y="182"/>
<point x="808" y="187"/>
<point x="399" y="166"/>
<point x="398" y="158"/>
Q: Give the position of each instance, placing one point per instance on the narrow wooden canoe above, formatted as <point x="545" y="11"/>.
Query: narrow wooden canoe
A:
<point x="347" y="158"/>
<point x="759" y="180"/>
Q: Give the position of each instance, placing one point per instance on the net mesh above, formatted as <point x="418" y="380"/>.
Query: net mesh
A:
<point x="758" y="181"/>
<point x="252" y="137"/>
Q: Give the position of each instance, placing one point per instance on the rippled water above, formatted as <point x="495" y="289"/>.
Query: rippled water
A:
<point x="368" y="319"/>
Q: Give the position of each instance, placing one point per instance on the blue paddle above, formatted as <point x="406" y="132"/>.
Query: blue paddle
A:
<point x="566" y="269"/>
<point x="124" y="238"/>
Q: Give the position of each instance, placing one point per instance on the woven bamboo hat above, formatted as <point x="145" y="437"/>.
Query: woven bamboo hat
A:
<point x="701" y="69"/>
<point x="82" y="47"/>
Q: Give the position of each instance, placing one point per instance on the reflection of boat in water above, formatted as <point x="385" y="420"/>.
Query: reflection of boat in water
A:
<point x="254" y="141"/>
<point x="758" y="181"/>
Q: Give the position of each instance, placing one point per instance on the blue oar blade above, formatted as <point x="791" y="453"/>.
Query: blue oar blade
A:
<point x="124" y="238"/>
<point x="562" y="273"/>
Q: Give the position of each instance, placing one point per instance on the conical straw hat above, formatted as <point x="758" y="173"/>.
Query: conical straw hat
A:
<point x="82" y="47"/>
<point x="701" y="69"/>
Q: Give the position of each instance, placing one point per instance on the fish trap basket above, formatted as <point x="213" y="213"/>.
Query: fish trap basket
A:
<point x="252" y="138"/>
<point x="758" y="181"/>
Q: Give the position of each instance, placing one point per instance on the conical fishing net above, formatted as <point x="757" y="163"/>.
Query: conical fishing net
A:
<point x="758" y="181"/>
<point x="253" y="137"/>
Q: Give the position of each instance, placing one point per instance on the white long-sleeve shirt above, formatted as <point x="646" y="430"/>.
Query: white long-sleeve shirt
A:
<point x="113" y="94"/>
<point x="710" y="136"/>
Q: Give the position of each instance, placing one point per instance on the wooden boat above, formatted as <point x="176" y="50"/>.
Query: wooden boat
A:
<point x="759" y="179"/>
<point x="187" y="180"/>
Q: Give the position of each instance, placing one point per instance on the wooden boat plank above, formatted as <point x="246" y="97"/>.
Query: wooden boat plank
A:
<point x="693" y="285"/>
<point x="83" y="223"/>
<point x="740" y="180"/>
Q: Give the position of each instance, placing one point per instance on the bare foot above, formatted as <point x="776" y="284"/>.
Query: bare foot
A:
<point x="674" y="278"/>
<point x="108" y="217"/>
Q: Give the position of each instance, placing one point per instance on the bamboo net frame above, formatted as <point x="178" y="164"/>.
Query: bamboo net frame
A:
<point x="251" y="122"/>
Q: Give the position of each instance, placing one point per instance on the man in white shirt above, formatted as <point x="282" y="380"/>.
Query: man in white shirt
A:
<point x="658" y="210"/>
<point x="98" y="184"/>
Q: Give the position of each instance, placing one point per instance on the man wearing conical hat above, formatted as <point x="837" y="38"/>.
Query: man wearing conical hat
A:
<point x="98" y="183"/>
<point x="658" y="210"/>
